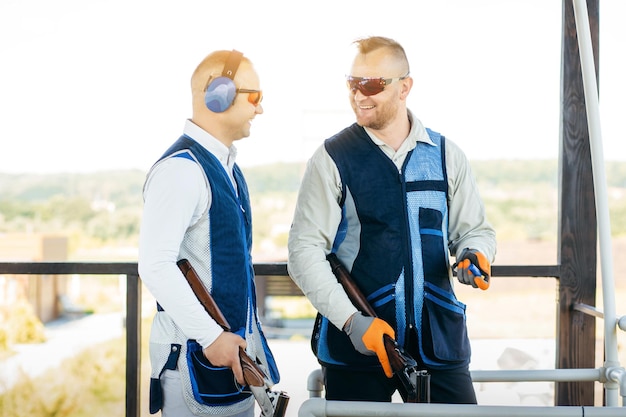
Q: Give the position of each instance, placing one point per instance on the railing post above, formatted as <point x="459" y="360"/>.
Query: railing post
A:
<point x="133" y="345"/>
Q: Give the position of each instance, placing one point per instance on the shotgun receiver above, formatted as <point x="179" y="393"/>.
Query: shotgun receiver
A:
<point x="416" y="382"/>
<point x="272" y="403"/>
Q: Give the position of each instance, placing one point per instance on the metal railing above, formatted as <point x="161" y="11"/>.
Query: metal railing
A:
<point x="132" y="310"/>
<point x="133" y="300"/>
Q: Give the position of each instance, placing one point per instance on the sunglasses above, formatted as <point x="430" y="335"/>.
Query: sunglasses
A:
<point x="254" y="96"/>
<point x="370" y="86"/>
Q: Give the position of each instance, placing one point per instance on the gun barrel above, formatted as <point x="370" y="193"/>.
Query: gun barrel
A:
<point x="281" y="405"/>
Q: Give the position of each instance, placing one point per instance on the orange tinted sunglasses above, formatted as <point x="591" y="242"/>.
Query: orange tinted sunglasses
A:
<point x="254" y="96"/>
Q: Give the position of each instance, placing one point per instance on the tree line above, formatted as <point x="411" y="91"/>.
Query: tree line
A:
<point x="104" y="208"/>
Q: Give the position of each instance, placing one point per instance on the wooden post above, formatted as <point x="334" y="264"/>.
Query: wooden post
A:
<point x="577" y="254"/>
<point x="133" y="345"/>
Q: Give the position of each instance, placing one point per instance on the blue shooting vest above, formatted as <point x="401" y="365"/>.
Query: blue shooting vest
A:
<point x="231" y="235"/>
<point x="232" y="281"/>
<point x="393" y="240"/>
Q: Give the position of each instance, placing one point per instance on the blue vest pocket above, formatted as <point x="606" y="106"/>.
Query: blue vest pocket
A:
<point x="211" y="385"/>
<point x="333" y="347"/>
<point x="444" y="333"/>
<point x="434" y="261"/>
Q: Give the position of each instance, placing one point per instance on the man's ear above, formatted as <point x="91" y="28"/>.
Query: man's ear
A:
<point x="407" y="84"/>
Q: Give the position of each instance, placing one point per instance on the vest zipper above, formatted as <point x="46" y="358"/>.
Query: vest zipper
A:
<point x="409" y="288"/>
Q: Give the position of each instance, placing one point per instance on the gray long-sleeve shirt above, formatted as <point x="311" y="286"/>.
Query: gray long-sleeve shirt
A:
<point x="318" y="214"/>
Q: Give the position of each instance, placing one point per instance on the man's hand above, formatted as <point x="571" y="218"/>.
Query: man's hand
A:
<point x="473" y="269"/>
<point x="224" y="351"/>
<point x="366" y="334"/>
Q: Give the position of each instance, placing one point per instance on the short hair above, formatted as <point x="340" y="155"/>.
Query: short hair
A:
<point x="372" y="43"/>
<point x="210" y="67"/>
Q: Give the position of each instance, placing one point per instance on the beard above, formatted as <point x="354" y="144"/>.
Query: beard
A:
<point x="380" y="117"/>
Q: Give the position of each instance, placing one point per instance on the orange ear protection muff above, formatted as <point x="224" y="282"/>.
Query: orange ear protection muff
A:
<point x="220" y="92"/>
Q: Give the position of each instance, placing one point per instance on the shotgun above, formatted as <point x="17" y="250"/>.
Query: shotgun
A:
<point x="416" y="382"/>
<point x="272" y="403"/>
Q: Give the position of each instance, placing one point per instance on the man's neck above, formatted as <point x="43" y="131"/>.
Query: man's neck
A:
<point x="212" y="128"/>
<point x="395" y="133"/>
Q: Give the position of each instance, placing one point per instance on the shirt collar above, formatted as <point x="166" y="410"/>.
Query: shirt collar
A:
<point x="416" y="134"/>
<point x="225" y="154"/>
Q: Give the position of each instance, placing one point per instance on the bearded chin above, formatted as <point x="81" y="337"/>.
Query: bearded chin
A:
<point x="383" y="117"/>
<point x="381" y="121"/>
<point x="377" y="124"/>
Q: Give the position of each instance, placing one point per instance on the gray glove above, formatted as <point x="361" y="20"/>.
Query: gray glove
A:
<point x="356" y="329"/>
<point x="473" y="268"/>
<point x="367" y="335"/>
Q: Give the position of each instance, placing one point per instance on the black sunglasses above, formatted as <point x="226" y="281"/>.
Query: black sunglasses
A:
<point x="370" y="86"/>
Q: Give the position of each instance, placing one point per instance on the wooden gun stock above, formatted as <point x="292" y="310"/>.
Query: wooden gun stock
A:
<point x="252" y="373"/>
<point x="396" y="359"/>
<point x="404" y="366"/>
<point x="204" y="296"/>
<point x="360" y="302"/>
<point x="273" y="404"/>
<point x="345" y="279"/>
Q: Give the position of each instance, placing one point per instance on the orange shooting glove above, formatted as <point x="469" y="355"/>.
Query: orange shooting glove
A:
<point x="366" y="334"/>
<point x="473" y="269"/>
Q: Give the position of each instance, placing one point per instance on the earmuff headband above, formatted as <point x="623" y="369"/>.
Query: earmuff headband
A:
<point x="221" y="92"/>
<point x="232" y="64"/>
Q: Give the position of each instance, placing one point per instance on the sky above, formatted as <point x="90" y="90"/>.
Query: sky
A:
<point x="92" y="85"/>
